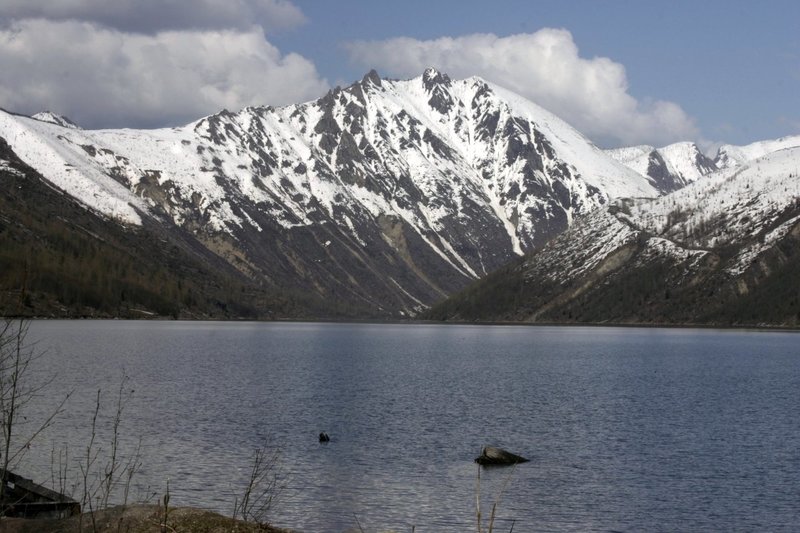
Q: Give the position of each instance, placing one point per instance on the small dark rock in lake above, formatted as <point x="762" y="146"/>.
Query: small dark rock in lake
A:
<point x="491" y="456"/>
<point x="323" y="437"/>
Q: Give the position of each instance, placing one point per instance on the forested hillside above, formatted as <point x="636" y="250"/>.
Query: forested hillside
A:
<point x="59" y="259"/>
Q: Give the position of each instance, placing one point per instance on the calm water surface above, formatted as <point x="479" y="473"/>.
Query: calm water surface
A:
<point x="626" y="429"/>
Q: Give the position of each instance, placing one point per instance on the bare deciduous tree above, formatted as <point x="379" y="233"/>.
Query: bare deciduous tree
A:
<point x="102" y="482"/>
<point x="263" y="486"/>
<point x="17" y="389"/>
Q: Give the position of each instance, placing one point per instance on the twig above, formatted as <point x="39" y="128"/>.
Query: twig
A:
<point x="361" y="529"/>
<point x="263" y="487"/>
<point x="496" y="500"/>
<point x="91" y="456"/>
<point x="478" y="498"/>
<point x="164" y="526"/>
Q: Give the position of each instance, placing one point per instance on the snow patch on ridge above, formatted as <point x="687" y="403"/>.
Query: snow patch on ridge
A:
<point x="42" y="146"/>
<point x="730" y="156"/>
<point x="54" y="118"/>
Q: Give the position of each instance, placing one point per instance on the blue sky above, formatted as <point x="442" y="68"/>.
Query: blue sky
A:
<point x="629" y="72"/>
<point x="733" y="66"/>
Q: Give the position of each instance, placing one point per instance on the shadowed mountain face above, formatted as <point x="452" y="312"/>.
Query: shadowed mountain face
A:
<point x="380" y="198"/>
<point x="722" y="251"/>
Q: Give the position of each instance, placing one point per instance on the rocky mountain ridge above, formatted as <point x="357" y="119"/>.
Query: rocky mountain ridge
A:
<point x="385" y="195"/>
<point x="724" y="250"/>
<point x="378" y="199"/>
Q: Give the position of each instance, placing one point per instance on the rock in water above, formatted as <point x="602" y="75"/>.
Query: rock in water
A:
<point x="498" y="456"/>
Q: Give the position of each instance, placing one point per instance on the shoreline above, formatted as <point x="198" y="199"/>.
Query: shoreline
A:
<point x="139" y="518"/>
<point x="399" y="322"/>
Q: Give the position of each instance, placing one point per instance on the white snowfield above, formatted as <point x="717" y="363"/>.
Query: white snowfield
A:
<point x="681" y="160"/>
<point x="53" y="118"/>
<point x="45" y="147"/>
<point x="730" y="156"/>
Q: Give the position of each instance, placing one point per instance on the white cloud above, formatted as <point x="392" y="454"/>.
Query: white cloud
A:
<point x="591" y="94"/>
<point x="102" y="77"/>
<point x="153" y="16"/>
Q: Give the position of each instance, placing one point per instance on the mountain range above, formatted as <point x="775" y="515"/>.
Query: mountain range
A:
<point x="724" y="250"/>
<point x="376" y="200"/>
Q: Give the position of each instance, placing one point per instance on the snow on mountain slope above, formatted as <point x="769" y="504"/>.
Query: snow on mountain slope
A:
<point x="631" y="156"/>
<point x="743" y="208"/>
<point x="670" y="167"/>
<point x="54" y="118"/>
<point x="591" y="162"/>
<point x="533" y="169"/>
<point x="723" y="250"/>
<point x="171" y="160"/>
<point x="687" y="161"/>
<point x="730" y="206"/>
<point x="459" y="141"/>
<point x="43" y="146"/>
<point x="427" y="183"/>
<point x="730" y="156"/>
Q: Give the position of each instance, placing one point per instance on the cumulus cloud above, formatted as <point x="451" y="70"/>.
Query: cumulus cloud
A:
<point x="546" y="67"/>
<point x="103" y="77"/>
<point x="153" y="16"/>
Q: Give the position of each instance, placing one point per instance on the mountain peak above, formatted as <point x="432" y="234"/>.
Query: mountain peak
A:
<point x="55" y="118"/>
<point x="372" y="77"/>
<point x="432" y="78"/>
<point x="427" y="187"/>
<point x="436" y="84"/>
<point x="669" y="167"/>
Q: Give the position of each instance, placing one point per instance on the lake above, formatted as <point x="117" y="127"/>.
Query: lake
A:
<point x="627" y="429"/>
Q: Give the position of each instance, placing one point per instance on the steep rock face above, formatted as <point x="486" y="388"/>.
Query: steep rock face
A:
<point x="385" y="195"/>
<point x="724" y="250"/>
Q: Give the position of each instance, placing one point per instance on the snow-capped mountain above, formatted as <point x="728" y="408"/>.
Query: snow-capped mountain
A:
<point x="386" y="195"/>
<point x="723" y="250"/>
<point x="730" y="156"/>
<point x="670" y="167"/>
<point x="59" y="259"/>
